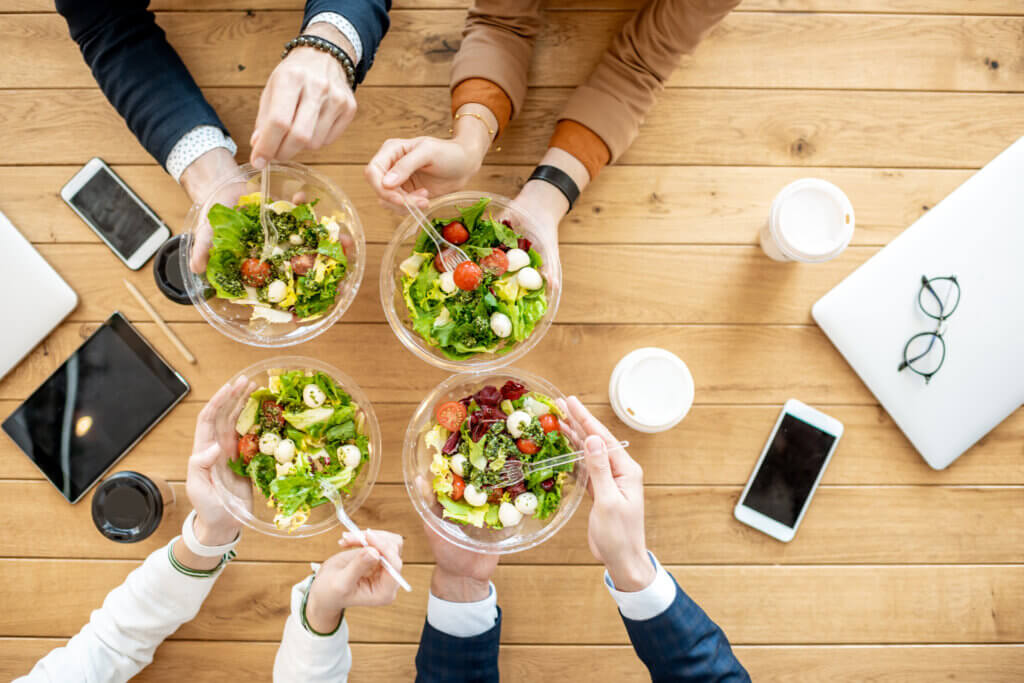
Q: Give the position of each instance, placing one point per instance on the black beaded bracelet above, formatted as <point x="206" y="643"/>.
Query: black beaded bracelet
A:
<point x="324" y="45"/>
<point x="560" y="179"/>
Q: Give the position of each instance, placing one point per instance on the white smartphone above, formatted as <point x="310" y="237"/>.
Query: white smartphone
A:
<point x="788" y="471"/>
<point x="115" y="213"/>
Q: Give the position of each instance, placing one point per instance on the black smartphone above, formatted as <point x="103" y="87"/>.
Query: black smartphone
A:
<point x="95" y="407"/>
<point x="116" y="214"/>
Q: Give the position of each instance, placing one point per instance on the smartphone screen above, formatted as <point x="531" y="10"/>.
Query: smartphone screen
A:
<point x="789" y="470"/>
<point x="114" y="212"/>
<point x="111" y="391"/>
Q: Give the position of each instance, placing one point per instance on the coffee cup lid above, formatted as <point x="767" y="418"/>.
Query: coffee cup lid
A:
<point x="823" y="189"/>
<point x="167" y="270"/>
<point x="127" y="507"/>
<point x="651" y="389"/>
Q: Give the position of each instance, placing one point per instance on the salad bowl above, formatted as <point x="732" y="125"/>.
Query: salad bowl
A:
<point x="533" y="309"/>
<point x="420" y="457"/>
<point x="256" y="466"/>
<point x="290" y="184"/>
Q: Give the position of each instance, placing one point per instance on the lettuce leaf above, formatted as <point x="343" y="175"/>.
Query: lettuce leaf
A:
<point x="231" y="228"/>
<point x="294" y="492"/>
<point x="461" y="512"/>
<point x="471" y="214"/>
<point x="262" y="472"/>
<point x="332" y="250"/>
<point x="223" y="271"/>
<point x="307" y="418"/>
<point x="548" y="502"/>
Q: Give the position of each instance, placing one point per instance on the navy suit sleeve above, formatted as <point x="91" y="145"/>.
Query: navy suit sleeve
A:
<point x="683" y="644"/>
<point x="447" y="659"/>
<point x="138" y="71"/>
<point x="368" y="17"/>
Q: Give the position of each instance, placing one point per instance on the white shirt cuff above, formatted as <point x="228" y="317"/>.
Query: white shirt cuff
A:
<point x="345" y="26"/>
<point x="463" y="619"/>
<point x="195" y="144"/>
<point x="647" y="603"/>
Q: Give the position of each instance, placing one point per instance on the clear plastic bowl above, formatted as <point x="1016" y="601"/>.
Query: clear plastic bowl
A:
<point x="235" y="492"/>
<point x="416" y="458"/>
<point x="286" y="181"/>
<point x="399" y="249"/>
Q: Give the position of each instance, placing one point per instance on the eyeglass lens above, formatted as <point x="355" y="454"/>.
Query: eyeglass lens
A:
<point x="925" y="353"/>
<point x="939" y="297"/>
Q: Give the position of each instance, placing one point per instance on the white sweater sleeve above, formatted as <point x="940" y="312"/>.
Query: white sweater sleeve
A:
<point x="122" y="635"/>
<point x="307" y="658"/>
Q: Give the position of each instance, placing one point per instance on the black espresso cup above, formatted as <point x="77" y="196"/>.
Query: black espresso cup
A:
<point x="128" y="507"/>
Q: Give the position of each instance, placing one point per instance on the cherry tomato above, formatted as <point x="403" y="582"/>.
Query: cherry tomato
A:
<point x="528" y="446"/>
<point x="450" y="415"/>
<point x="302" y="263"/>
<point x="458" y="486"/>
<point x="548" y="422"/>
<point x="438" y="265"/>
<point x="272" y="413"/>
<point x="255" y="273"/>
<point x="455" y="232"/>
<point x="468" y="276"/>
<point x="496" y="262"/>
<point x="248" y="446"/>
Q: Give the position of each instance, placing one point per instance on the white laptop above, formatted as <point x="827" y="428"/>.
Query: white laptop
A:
<point x="36" y="298"/>
<point x="976" y="234"/>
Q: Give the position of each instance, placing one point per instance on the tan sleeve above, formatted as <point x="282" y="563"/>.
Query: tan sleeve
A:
<point x="623" y="87"/>
<point x="497" y="44"/>
<point x="582" y="143"/>
<point x="487" y="93"/>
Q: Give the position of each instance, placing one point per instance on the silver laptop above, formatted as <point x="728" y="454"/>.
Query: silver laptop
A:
<point x="977" y="235"/>
<point x="37" y="300"/>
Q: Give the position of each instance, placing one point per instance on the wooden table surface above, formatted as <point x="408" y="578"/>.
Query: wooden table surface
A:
<point x="899" y="573"/>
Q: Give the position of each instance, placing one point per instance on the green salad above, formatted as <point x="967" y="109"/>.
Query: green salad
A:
<point x="300" y="278"/>
<point x="475" y="437"/>
<point x="487" y="304"/>
<point x="300" y="429"/>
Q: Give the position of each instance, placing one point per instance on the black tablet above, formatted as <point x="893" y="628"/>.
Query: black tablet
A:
<point x="97" y="405"/>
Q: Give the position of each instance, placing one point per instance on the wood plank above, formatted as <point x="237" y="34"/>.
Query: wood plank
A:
<point x="868" y="604"/>
<point x="217" y="660"/>
<point x="624" y="283"/>
<point x="691" y="525"/>
<point x="628" y="204"/>
<point x="714" y="446"/>
<point x="876" y="51"/>
<point x="975" y="7"/>
<point x="730" y="127"/>
<point x="728" y="361"/>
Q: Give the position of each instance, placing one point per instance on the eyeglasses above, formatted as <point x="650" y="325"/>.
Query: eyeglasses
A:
<point x="925" y="352"/>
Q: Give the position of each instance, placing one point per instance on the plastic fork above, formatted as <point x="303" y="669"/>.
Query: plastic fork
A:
<point x="270" y="236"/>
<point x="516" y="471"/>
<point x="332" y="494"/>
<point x="451" y="254"/>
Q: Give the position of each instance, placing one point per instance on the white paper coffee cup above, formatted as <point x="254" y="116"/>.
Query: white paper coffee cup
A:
<point x="811" y="220"/>
<point x="651" y="390"/>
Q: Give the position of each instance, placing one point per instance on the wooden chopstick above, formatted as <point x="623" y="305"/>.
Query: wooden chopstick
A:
<point x="160" y="322"/>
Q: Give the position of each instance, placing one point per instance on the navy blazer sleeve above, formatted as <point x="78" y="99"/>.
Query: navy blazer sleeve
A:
<point x="447" y="659"/>
<point x="138" y="71"/>
<point x="683" y="644"/>
<point x="368" y="17"/>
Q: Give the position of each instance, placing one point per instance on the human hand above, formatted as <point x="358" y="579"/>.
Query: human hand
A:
<point x="537" y="201"/>
<point x="616" y="527"/>
<point x="354" y="577"/>
<point x="460" y="575"/>
<point x="215" y="442"/>
<point x="307" y="102"/>
<point x="421" y="167"/>
<point x="202" y="177"/>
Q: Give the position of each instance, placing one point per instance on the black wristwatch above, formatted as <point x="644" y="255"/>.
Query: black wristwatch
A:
<point x="560" y="179"/>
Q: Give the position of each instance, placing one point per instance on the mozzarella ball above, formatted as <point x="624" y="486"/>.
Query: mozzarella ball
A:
<point x="285" y="451"/>
<point x="277" y="290"/>
<point x="277" y="251"/>
<point x="500" y="324"/>
<point x="295" y="238"/>
<point x="458" y="464"/>
<point x="474" y="496"/>
<point x="517" y="259"/>
<point x="516" y="422"/>
<point x="313" y="396"/>
<point x="269" y="442"/>
<point x="509" y="515"/>
<point x="283" y="469"/>
<point x="526" y="503"/>
<point x="350" y="455"/>
<point x="448" y="282"/>
<point x="529" y="278"/>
